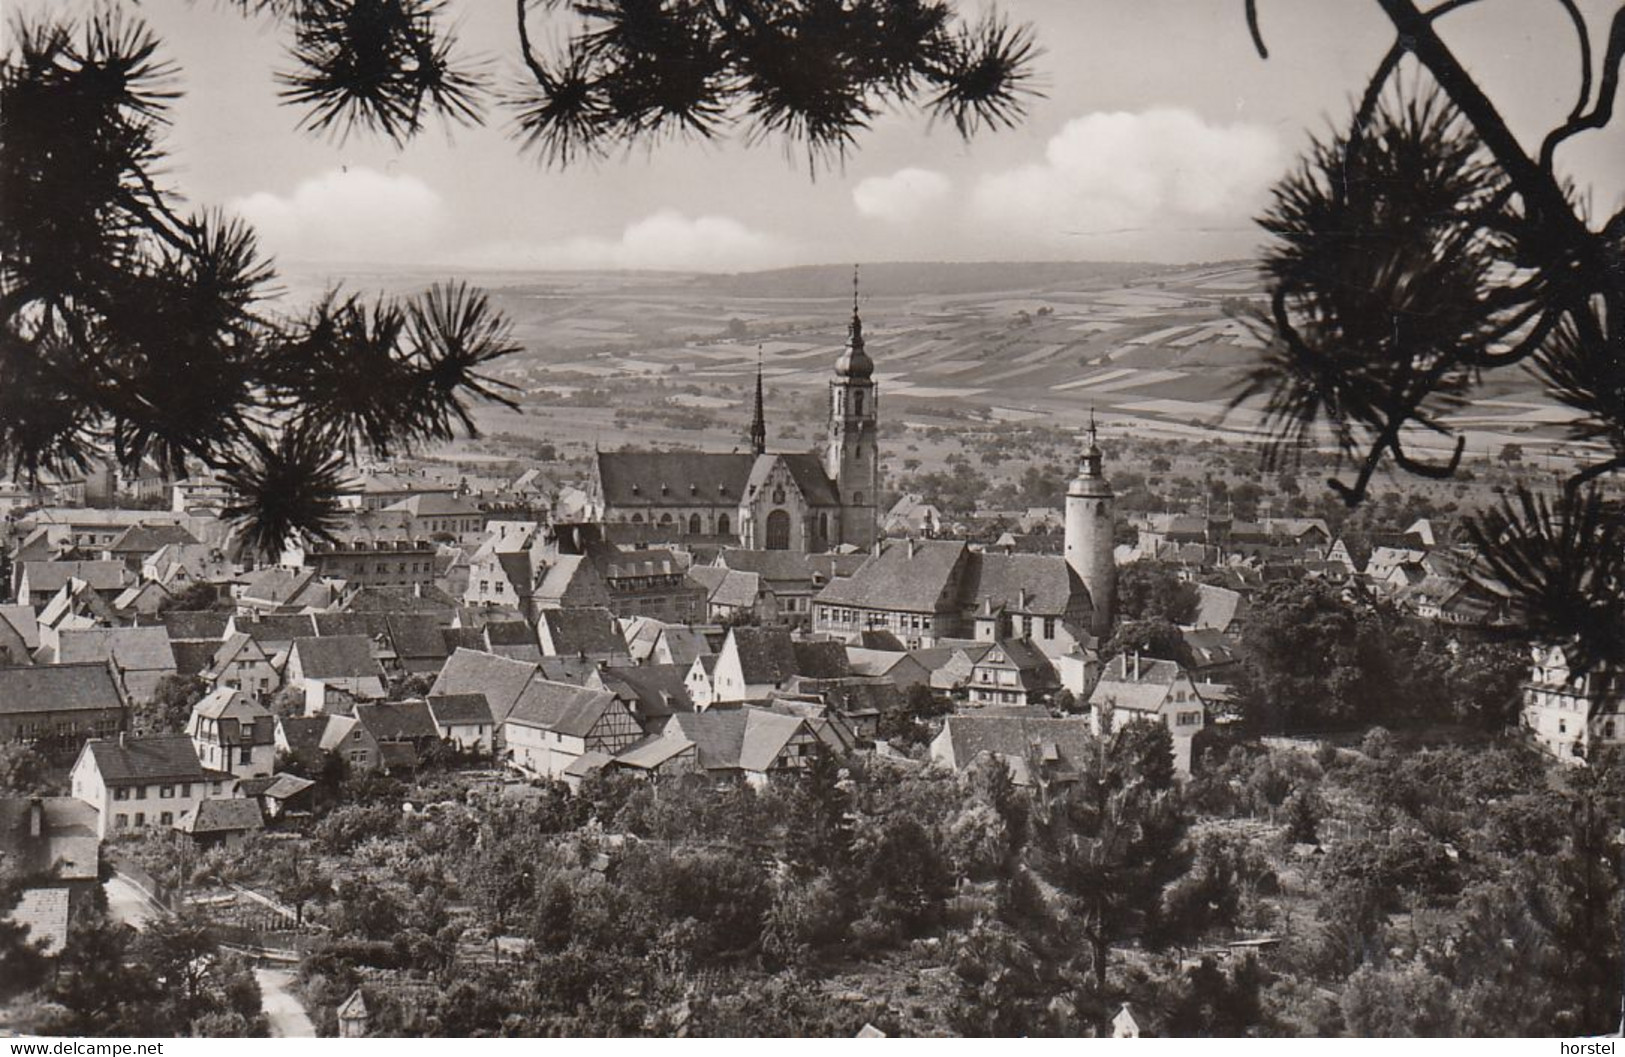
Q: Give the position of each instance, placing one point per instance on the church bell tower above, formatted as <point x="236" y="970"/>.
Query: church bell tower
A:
<point x="1089" y="534"/>
<point x="852" y="457"/>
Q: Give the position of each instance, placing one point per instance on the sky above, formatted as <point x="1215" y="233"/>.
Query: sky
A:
<point x="1159" y="136"/>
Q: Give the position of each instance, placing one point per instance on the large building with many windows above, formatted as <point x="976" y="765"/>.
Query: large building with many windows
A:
<point x="794" y="501"/>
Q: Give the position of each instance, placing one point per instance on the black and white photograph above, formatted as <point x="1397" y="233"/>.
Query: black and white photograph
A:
<point x="812" y="519"/>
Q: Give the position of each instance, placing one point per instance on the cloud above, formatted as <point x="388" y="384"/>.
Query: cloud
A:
<point x="663" y="241"/>
<point x="348" y="214"/>
<point x="1160" y="172"/>
<point x="905" y="195"/>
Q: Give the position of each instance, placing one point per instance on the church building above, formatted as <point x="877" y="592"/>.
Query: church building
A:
<point x="762" y="500"/>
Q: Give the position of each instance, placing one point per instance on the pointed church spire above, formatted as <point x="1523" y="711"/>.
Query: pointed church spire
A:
<point x="758" y="422"/>
<point x="854" y="361"/>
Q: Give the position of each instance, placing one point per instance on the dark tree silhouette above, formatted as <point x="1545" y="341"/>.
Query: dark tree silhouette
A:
<point x="1423" y="248"/>
<point x="816" y="72"/>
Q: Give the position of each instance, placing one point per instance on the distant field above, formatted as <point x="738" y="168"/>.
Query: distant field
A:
<point x="1146" y="347"/>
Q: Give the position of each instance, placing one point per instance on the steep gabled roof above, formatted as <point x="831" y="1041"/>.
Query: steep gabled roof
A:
<point x="574" y="632"/>
<point x="460" y="709"/>
<point x="236" y="815"/>
<point x="772" y="566"/>
<point x="131" y="649"/>
<point x="634" y="478"/>
<point x="766" y="655"/>
<point x="162" y="757"/>
<point x="21" y="617"/>
<point x="896" y="580"/>
<point x="501" y="680"/>
<point x="821" y="660"/>
<point x="1063" y="742"/>
<point x="144" y="539"/>
<point x="397" y="721"/>
<point x="1041" y="584"/>
<point x="658" y="689"/>
<point x="50" y="577"/>
<point x="336" y="657"/>
<point x="561" y="707"/>
<point x="808" y="471"/>
<point x="747" y="739"/>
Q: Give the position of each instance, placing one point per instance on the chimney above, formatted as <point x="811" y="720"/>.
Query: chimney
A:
<point x="36" y="817"/>
<point x="911" y="548"/>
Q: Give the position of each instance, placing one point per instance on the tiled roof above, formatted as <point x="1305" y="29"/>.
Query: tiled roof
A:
<point x="416" y="636"/>
<point x="302" y="732"/>
<point x="276" y="584"/>
<point x="1041" y="584"/>
<point x="397" y="721"/>
<point x="195" y="624"/>
<point x="587" y="763"/>
<point x="501" y="680"/>
<point x="807" y="468"/>
<point x="432" y="601"/>
<point x="766" y="655"/>
<point x="144" y="539"/>
<point x="574" y="632"/>
<point x="634" y="478"/>
<point x="150" y="759"/>
<point x="49" y="577"/>
<point x="1058" y="741"/>
<point x="658" y="689"/>
<point x="58" y="688"/>
<point x="43" y="912"/>
<point x="773" y="566"/>
<point x="744" y="738"/>
<point x="460" y="709"/>
<point x="436" y="504"/>
<point x="193" y="657"/>
<point x="22" y="618"/>
<point x="224" y="702"/>
<point x="132" y="649"/>
<point x="67" y="848"/>
<point x="1137" y="689"/>
<point x="894" y="580"/>
<point x="276" y="628"/>
<point x="684" y="644"/>
<point x="1217" y="607"/>
<point x="561" y="707"/>
<point x="235" y="815"/>
<point x="337" y="657"/>
<point x="821" y="660"/>
<point x="654" y="751"/>
<point x="509" y="633"/>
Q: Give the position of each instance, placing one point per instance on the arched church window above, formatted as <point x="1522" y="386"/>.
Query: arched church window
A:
<point x="722" y="525"/>
<point x="694" y="526"/>
<point x="857" y="402"/>
<point x="637" y="519"/>
<point x="665" y="519"/>
<point x="778" y="495"/>
<point x="778" y="531"/>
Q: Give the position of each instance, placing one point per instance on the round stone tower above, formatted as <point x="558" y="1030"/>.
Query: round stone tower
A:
<point x="1089" y="534"/>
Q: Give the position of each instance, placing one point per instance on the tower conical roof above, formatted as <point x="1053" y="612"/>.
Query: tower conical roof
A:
<point x="854" y="361"/>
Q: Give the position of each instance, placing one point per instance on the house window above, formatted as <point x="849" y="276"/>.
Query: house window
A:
<point x="140" y="818"/>
<point x="359" y="756"/>
<point x="121" y="793"/>
<point x="245" y="754"/>
<point x="186" y="789"/>
<point x="140" y="792"/>
<point x="166" y="819"/>
<point x="121" y="821"/>
<point x="1049" y="627"/>
<point x="165" y="792"/>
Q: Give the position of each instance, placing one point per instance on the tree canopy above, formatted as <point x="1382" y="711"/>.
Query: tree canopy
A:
<point x="1422" y="249"/>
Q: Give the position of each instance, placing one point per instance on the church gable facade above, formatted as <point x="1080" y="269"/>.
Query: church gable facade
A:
<point x="805" y="502"/>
